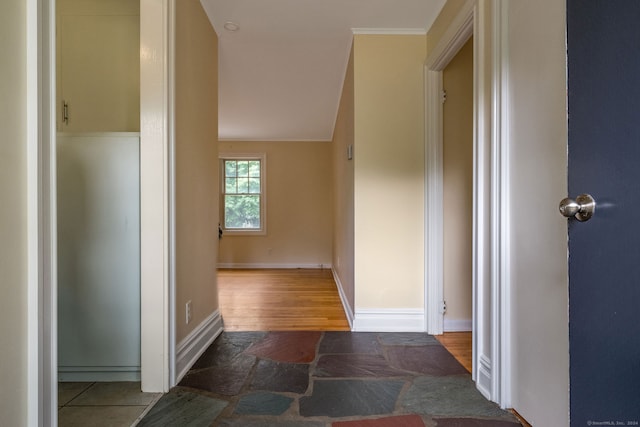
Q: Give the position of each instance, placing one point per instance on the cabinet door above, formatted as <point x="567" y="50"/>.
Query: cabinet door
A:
<point x="100" y="73"/>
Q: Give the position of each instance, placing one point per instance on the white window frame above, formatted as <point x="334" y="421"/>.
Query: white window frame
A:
<point x="263" y="193"/>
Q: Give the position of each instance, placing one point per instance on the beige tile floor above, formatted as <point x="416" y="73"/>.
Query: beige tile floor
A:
<point x="108" y="404"/>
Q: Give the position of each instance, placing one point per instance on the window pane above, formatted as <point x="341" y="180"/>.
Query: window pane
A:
<point x="230" y="168"/>
<point x="230" y="185"/>
<point x="243" y="185"/>
<point x="254" y="168"/>
<point x="254" y="185"/>
<point x="242" y="212"/>
<point x="243" y="168"/>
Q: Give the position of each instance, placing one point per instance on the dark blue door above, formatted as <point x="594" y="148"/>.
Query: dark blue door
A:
<point x="604" y="253"/>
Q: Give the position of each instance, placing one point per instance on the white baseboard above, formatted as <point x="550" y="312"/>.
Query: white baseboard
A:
<point x="389" y="320"/>
<point x="194" y="344"/>
<point x="343" y="298"/>
<point x="454" y="325"/>
<point x="484" y="380"/>
<point x="98" y="373"/>
<point x="240" y="265"/>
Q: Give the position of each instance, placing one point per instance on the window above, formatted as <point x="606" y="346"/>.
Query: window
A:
<point x="243" y="193"/>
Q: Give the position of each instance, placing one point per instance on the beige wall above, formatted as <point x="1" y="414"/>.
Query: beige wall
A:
<point x="458" y="186"/>
<point x="343" y="236"/>
<point x="389" y="171"/>
<point x="13" y="215"/>
<point x="538" y="121"/>
<point x="299" y="208"/>
<point x="98" y="65"/>
<point x="196" y="174"/>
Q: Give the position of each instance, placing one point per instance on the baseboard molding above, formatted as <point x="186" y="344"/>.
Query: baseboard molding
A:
<point x="249" y="266"/>
<point x="453" y="325"/>
<point x="389" y="320"/>
<point x="483" y="382"/>
<point x="98" y="373"/>
<point x="343" y="299"/>
<point x="194" y="344"/>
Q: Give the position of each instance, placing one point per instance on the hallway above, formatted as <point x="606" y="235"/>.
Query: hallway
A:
<point x="322" y="379"/>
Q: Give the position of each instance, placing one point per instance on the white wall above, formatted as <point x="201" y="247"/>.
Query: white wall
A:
<point x="13" y="215"/>
<point x="538" y="156"/>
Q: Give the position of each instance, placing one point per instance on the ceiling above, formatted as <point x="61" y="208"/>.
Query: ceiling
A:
<point x="281" y="72"/>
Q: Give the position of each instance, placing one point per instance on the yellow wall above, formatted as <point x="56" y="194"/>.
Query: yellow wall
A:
<point x="389" y="171"/>
<point x="196" y="174"/>
<point x="13" y="215"/>
<point x="458" y="184"/>
<point x="343" y="136"/>
<point x="299" y="207"/>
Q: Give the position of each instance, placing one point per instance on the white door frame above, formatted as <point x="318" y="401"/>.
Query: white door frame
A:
<point x="157" y="288"/>
<point x="42" y="363"/>
<point x="490" y="270"/>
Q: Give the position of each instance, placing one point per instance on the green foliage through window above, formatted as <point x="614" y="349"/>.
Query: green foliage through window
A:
<point x="242" y="194"/>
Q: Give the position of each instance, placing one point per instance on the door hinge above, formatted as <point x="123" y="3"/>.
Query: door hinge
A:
<point x="443" y="96"/>
<point x="443" y="307"/>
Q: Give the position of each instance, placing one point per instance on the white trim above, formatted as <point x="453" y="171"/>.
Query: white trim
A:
<point x="390" y="31"/>
<point x="458" y="325"/>
<point x="389" y="320"/>
<point x="456" y="35"/>
<point x="484" y="378"/>
<point x="98" y="373"/>
<point x="258" y="265"/>
<point x="262" y="231"/>
<point x="171" y="132"/>
<point x="343" y="298"/>
<point x="501" y="248"/>
<point x="155" y="113"/>
<point x="434" y="274"/>
<point x="193" y="345"/>
<point x="490" y="270"/>
<point x="42" y="383"/>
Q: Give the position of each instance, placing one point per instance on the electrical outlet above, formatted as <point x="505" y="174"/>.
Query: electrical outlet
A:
<point x="188" y="312"/>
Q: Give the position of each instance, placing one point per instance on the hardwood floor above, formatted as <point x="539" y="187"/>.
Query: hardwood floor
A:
<point x="459" y="345"/>
<point x="295" y="300"/>
<point x="280" y="300"/>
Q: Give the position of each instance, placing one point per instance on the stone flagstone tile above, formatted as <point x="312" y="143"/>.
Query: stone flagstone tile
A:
<point x="470" y="422"/>
<point x="454" y="396"/>
<point x="397" y="421"/>
<point x="226" y="380"/>
<point x="114" y="394"/>
<point x="283" y="377"/>
<point x="350" y="342"/>
<point x="226" y="348"/>
<point x="292" y="347"/>
<point x="98" y="416"/>
<point x="263" y="403"/>
<point x="183" y="408"/>
<point x="407" y="338"/>
<point x="355" y="365"/>
<point x="67" y="391"/>
<point x="347" y="398"/>
<point x="427" y="360"/>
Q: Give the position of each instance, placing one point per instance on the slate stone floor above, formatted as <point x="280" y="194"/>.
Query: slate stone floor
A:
<point x="326" y="379"/>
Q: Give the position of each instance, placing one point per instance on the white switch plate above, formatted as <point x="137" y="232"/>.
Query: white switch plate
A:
<point x="188" y="312"/>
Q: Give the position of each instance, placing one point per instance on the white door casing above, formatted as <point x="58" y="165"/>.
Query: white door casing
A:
<point x="490" y="271"/>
